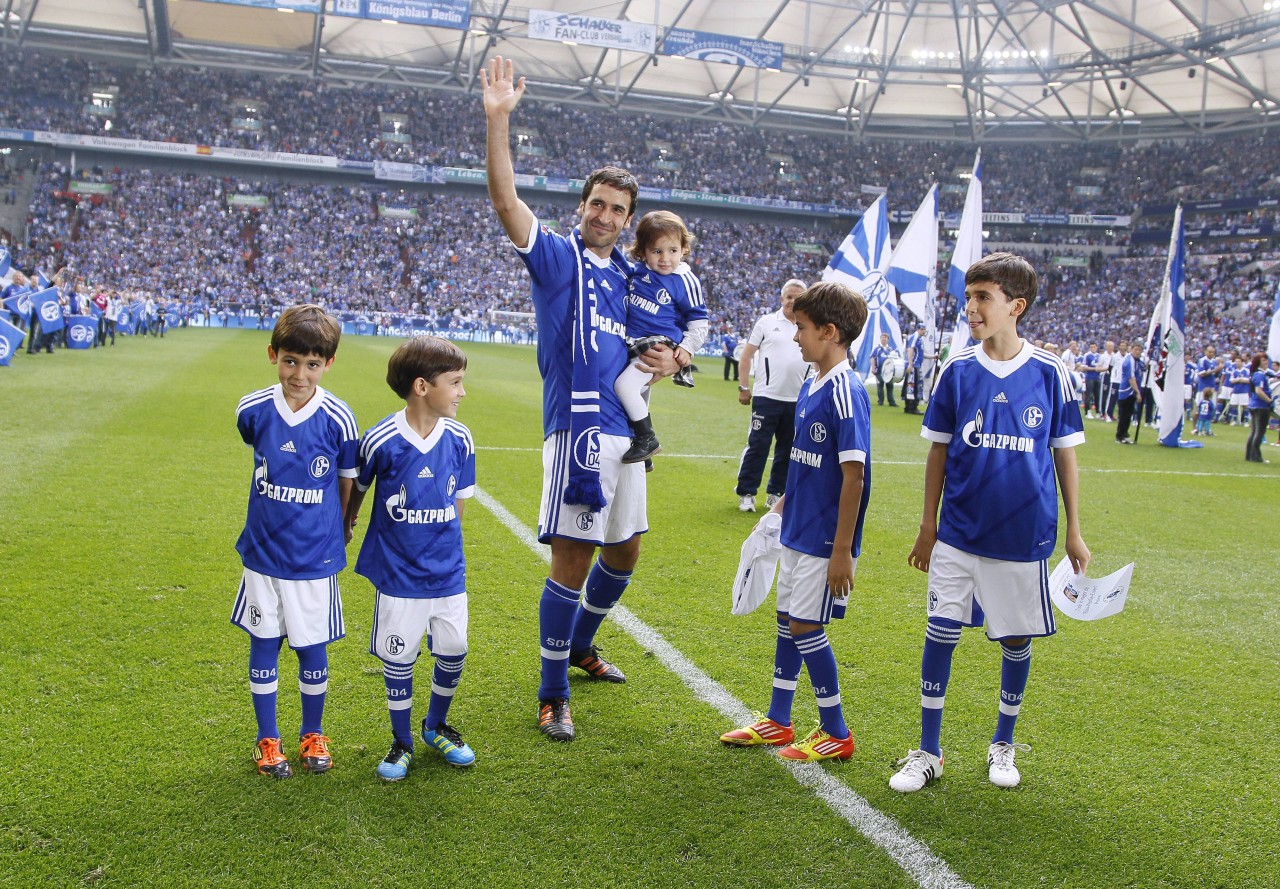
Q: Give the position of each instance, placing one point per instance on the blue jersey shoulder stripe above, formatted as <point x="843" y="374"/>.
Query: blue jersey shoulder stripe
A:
<point x="1066" y="382"/>
<point x="963" y="355"/>
<point x="255" y="398"/>
<point x="338" y="410"/>
<point x="376" y="437"/>
<point x="461" y="432"/>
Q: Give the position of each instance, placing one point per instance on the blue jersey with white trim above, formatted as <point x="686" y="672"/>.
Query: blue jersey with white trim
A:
<point x="413" y="548"/>
<point x="833" y="426"/>
<point x="293" y="530"/>
<point x="553" y="269"/>
<point x="663" y="305"/>
<point x="999" y="421"/>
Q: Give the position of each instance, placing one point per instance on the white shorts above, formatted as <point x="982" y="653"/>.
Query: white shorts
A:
<point x="1013" y="595"/>
<point x="1187" y="392"/>
<point x="1239" y="399"/>
<point x="626" y="512"/>
<point x="309" y="612"/>
<point x="803" y="593"/>
<point x="400" y="623"/>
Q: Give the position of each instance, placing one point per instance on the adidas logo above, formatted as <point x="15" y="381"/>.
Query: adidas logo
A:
<point x="1000" y="399"/>
<point x="426" y="473"/>
<point x="288" y="447"/>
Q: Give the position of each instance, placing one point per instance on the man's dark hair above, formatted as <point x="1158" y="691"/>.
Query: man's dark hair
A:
<point x="617" y="178"/>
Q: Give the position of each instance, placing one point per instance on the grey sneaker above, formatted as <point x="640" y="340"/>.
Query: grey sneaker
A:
<point x="771" y="500"/>
<point x="919" y="767"/>
<point x="746" y="503"/>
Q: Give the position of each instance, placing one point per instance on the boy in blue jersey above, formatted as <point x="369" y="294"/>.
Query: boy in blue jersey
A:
<point x="590" y="498"/>
<point x="1004" y="419"/>
<point x="1204" y="416"/>
<point x="304" y="460"/>
<point x="424" y="463"/>
<point x="823" y="509"/>
<point x="664" y="305"/>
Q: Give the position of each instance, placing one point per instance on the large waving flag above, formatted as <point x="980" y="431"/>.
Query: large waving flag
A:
<point x="1166" y="339"/>
<point x="968" y="251"/>
<point x="913" y="267"/>
<point x="6" y="267"/>
<point x="861" y="262"/>
<point x="10" y="341"/>
<point x="1273" y="340"/>
<point x="49" y="309"/>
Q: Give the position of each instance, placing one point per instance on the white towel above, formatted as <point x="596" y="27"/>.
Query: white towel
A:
<point x="758" y="564"/>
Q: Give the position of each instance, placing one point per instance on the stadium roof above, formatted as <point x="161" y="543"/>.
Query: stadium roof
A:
<point x="968" y="70"/>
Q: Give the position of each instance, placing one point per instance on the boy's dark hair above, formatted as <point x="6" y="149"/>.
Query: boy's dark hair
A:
<point x="422" y="356"/>
<point x="615" y="177"/>
<point x="654" y="225"/>
<point x="307" y="330"/>
<point x="831" y="302"/>
<point x="1012" y="273"/>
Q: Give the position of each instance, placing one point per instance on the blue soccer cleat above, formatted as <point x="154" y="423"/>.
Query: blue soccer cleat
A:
<point x="395" y="766"/>
<point x="445" y="738"/>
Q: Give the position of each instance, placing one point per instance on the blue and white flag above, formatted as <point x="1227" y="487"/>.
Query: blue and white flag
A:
<point x="48" y="308"/>
<point x="6" y="267"/>
<point x="861" y="262"/>
<point x="1273" y="339"/>
<point x="127" y="318"/>
<point x="10" y="341"/>
<point x="42" y="283"/>
<point x="913" y="268"/>
<point x="82" y="330"/>
<point x="968" y="251"/>
<point x="19" y="304"/>
<point x="1166" y="343"/>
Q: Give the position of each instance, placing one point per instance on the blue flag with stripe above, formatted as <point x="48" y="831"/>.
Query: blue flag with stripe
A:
<point x="861" y="262"/>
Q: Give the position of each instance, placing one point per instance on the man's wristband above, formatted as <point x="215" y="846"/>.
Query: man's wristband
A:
<point x="742" y="388"/>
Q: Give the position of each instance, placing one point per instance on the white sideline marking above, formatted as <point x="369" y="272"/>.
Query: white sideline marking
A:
<point x="1083" y="469"/>
<point x="927" y="869"/>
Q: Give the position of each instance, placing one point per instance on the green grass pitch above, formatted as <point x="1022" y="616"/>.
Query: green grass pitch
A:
<point x="126" y="726"/>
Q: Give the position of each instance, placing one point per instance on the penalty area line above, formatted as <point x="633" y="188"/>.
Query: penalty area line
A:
<point x="927" y="869"/>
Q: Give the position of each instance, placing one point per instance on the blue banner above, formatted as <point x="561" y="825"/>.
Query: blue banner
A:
<point x="1228" y="205"/>
<point x="81" y="331"/>
<point x="46" y="305"/>
<point x="19" y="304"/>
<point x="708" y="47"/>
<point x="454" y="14"/>
<point x="295" y="5"/>
<point x="128" y="318"/>
<point x="10" y="341"/>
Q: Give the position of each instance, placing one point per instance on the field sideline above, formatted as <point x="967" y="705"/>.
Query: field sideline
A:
<point x="127" y="727"/>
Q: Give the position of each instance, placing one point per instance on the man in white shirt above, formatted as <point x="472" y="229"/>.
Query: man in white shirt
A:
<point x="772" y="353"/>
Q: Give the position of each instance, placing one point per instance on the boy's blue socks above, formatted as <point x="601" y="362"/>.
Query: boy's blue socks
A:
<point x="1015" y="666"/>
<point x="264" y="661"/>
<point x="399" y="681"/>
<point x="444" y="682"/>
<point x="786" y="672"/>
<point x="313" y="682"/>
<point x="604" y="588"/>
<point x="820" y="661"/>
<point x="941" y="635"/>
<point x="555" y="624"/>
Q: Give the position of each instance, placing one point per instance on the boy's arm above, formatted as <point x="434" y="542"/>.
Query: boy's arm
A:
<point x="1064" y="464"/>
<point x="351" y="508"/>
<point x="840" y="566"/>
<point x="501" y="95"/>
<point x="935" y="470"/>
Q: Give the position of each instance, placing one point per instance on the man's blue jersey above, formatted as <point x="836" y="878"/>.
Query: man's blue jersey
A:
<point x="294" y="526"/>
<point x="999" y="420"/>
<point x="1130" y="370"/>
<point x="1207" y="373"/>
<point x="1091" y="372"/>
<point x="663" y="305"/>
<point x="413" y="548"/>
<point x="553" y="268"/>
<point x="833" y="426"/>
<point x="915" y="346"/>
<point x="1237" y="377"/>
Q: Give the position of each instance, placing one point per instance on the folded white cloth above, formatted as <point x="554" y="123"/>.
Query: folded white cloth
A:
<point x="758" y="564"/>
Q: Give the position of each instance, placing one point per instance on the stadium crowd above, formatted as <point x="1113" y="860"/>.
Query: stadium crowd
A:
<point x="191" y="105"/>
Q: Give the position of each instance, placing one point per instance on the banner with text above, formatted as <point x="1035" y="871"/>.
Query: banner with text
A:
<point x="547" y="24"/>
<point x="454" y="14"/>
<point x="708" y="47"/>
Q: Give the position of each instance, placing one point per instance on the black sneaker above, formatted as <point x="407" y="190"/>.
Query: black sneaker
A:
<point x="554" y="720"/>
<point x="642" y="448"/>
<point x="595" y="666"/>
<point x="684" y="377"/>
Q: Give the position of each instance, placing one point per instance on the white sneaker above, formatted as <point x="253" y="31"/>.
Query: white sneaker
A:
<point x="919" y="767"/>
<point x="1002" y="771"/>
<point x="771" y="500"/>
<point x="746" y="503"/>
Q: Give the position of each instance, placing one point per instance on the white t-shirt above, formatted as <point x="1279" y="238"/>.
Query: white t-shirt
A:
<point x="778" y="365"/>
